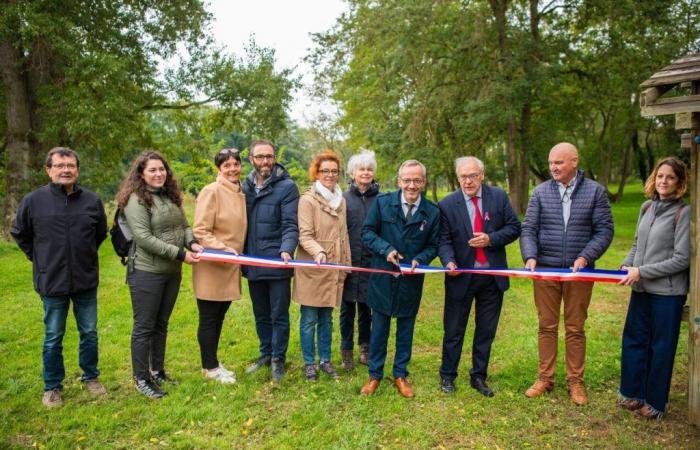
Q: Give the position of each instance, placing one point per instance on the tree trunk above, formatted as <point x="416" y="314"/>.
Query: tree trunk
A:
<point x="19" y="139"/>
<point x="626" y="157"/>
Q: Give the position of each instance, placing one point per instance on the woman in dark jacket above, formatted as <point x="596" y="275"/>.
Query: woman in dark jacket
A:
<point x="657" y="269"/>
<point x="152" y="204"/>
<point x="363" y="190"/>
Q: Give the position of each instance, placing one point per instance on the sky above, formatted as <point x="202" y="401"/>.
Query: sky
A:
<point x="285" y="26"/>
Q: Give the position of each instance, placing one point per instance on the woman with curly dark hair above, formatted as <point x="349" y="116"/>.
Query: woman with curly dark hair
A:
<point x="151" y="202"/>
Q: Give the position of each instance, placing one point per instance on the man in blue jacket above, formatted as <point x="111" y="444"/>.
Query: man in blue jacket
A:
<point x="476" y="223"/>
<point x="271" y="203"/>
<point x="59" y="227"/>
<point x="401" y="226"/>
<point x="567" y="224"/>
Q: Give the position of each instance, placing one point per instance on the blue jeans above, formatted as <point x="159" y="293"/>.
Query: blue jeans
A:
<point x="55" y="315"/>
<point x="319" y="321"/>
<point x="271" y="310"/>
<point x="381" y="326"/>
<point x="649" y="343"/>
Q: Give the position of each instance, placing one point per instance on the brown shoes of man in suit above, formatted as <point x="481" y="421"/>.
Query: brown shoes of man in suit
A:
<point x="404" y="387"/>
<point x="370" y="387"/>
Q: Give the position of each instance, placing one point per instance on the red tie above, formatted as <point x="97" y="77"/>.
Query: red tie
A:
<point x="478" y="228"/>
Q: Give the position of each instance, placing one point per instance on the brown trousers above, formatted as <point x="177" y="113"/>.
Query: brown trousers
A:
<point x="548" y="298"/>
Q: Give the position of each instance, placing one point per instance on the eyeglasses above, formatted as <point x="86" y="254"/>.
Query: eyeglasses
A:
<point x="326" y="172"/>
<point x="264" y="157"/>
<point x="229" y="151"/>
<point x="469" y="176"/>
<point x="415" y="181"/>
<point x="64" y="166"/>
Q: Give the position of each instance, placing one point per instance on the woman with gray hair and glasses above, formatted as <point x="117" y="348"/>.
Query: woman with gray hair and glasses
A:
<point x="359" y="198"/>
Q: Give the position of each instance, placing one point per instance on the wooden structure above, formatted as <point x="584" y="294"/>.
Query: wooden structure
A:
<point x="682" y="80"/>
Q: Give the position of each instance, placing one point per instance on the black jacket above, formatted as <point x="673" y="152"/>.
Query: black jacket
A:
<point x="60" y="234"/>
<point x="358" y="203"/>
<point x="272" y="222"/>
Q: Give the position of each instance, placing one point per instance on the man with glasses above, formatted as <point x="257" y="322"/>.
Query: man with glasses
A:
<point x="401" y="227"/>
<point x="271" y="202"/>
<point x="476" y="223"/>
<point x="59" y="227"/>
<point x="567" y="224"/>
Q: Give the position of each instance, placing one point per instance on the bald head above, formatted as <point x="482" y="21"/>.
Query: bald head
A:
<point x="563" y="162"/>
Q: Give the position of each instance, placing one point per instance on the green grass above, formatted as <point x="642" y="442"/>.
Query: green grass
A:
<point x="329" y="414"/>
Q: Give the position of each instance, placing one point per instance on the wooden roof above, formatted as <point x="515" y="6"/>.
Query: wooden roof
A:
<point x="680" y="70"/>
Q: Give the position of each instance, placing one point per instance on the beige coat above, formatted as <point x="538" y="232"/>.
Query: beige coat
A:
<point x="220" y="223"/>
<point x="321" y="228"/>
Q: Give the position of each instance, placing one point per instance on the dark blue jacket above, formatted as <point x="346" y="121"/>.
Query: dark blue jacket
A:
<point x="272" y="222"/>
<point x="386" y="229"/>
<point x="60" y="233"/>
<point x="589" y="231"/>
<point x="358" y="205"/>
<point x="500" y="223"/>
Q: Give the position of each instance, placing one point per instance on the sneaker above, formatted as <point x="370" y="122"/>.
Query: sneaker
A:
<point x="310" y="372"/>
<point x="220" y="374"/>
<point x="260" y="362"/>
<point x="327" y="367"/>
<point x="161" y="378"/>
<point x="52" y="398"/>
<point x="346" y="356"/>
<point x="225" y="370"/>
<point x="148" y="388"/>
<point x="94" y="387"/>
<point x="277" y="369"/>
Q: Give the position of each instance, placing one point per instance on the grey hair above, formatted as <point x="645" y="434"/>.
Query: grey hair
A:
<point x="466" y="159"/>
<point x="411" y="163"/>
<point x="363" y="159"/>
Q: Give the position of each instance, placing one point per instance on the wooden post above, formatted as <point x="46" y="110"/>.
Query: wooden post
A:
<point x="694" y="294"/>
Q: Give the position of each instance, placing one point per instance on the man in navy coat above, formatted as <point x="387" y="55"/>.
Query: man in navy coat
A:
<point x="401" y="226"/>
<point x="476" y="223"/>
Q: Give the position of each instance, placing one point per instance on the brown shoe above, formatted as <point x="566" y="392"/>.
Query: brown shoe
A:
<point x="647" y="412"/>
<point x="94" y="387"/>
<point x="346" y="356"/>
<point x="370" y="387"/>
<point x="404" y="387"/>
<point x="577" y="392"/>
<point x="364" y="354"/>
<point x="540" y="387"/>
<point x="630" y="404"/>
<point x="52" y="398"/>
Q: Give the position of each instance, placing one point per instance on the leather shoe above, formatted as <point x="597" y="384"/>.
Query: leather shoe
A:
<point x="538" y="388"/>
<point x="277" y="369"/>
<point x="404" y="387"/>
<point x="371" y="386"/>
<point x="447" y="386"/>
<point x="480" y="385"/>
<point x="260" y="362"/>
<point x="577" y="392"/>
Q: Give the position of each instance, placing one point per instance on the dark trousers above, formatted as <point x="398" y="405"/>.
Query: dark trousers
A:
<point x="211" y="320"/>
<point x="347" y="324"/>
<point x="381" y="326"/>
<point x="649" y="343"/>
<point x="489" y="299"/>
<point x="271" y="310"/>
<point x="153" y="297"/>
<point x="55" y="315"/>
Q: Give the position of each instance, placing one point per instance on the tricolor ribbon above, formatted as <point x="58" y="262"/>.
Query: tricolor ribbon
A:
<point x="604" y="276"/>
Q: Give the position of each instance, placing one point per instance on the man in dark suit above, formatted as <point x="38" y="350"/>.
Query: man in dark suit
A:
<point x="476" y="223"/>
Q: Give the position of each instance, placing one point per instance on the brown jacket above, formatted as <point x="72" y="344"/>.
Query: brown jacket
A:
<point x="220" y="223"/>
<point x="321" y="228"/>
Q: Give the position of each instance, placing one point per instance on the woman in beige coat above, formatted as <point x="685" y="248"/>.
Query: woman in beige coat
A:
<point x="323" y="237"/>
<point x="219" y="224"/>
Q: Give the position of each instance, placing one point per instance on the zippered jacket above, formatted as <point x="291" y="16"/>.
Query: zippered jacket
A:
<point x="60" y="234"/>
<point x="588" y="232"/>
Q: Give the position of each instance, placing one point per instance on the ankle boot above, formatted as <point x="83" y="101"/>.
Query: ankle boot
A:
<point x="364" y="354"/>
<point x="347" y="360"/>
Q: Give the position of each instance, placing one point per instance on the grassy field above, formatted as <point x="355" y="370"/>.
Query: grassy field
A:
<point x="329" y="414"/>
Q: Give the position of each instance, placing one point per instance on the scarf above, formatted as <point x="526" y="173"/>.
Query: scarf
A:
<point x="334" y="198"/>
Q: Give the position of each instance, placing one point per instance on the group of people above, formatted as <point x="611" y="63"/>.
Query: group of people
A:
<point x="568" y="224"/>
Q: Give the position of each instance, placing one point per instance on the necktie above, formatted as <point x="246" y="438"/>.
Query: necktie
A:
<point x="409" y="213"/>
<point x="478" y="228"/>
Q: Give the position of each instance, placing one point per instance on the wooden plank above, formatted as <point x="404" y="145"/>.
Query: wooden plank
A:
<point x="688" y="57"/>
<point x="687" y="121"/>
<point x="663" y="106"/>
<point x="672" y="77"/>
<point x="694" y="293"/>
<point x="685" y="141"/>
